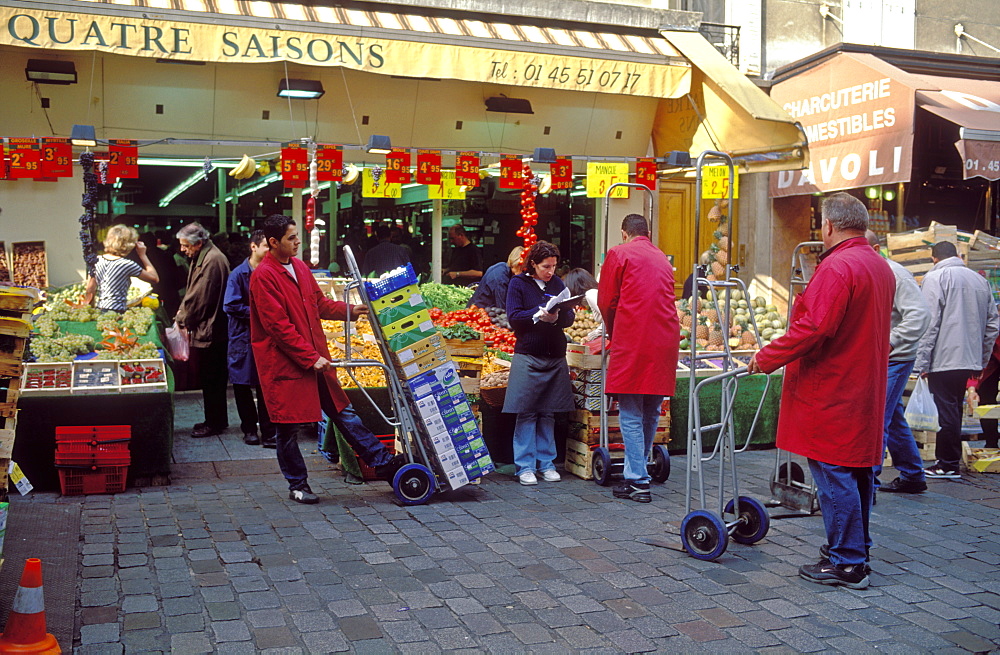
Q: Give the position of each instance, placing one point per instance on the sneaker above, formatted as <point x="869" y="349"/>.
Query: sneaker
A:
<point x="824" y="572"/>
<point x="527" y="478"/>
<point x="269" y="442"/>
<point x="251" y="439"/>
<point x="938" y="472"/>
<point x="637" y="491"/>
<point x="901" y="486"/>
<point x="303" y="495"/>
<point x="388" y="470"/>
<point x="551" y="476"/>
<point x="824" y="552"/>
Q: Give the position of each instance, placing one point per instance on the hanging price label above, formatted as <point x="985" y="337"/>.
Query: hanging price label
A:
<point x="562" y="174"/>
<point x="4" y="162"/>
<point x="602" y="175"/>
<point x="57" y="158"/>
<point x="467" y="169"/>
<point x="123" y="159"/>
<point x="381" y="189"/>
<point x="447" y="189"/>
<point x="294" y="165"/>
<point x="645" y="173"/>
<point x="25" y="159"/>
<point x="511" y="172"/>
<point x="329" y="163"/>
<point x="429" y="167"/>
<point x="397" y="166"/>
<point x="715" y="182"/>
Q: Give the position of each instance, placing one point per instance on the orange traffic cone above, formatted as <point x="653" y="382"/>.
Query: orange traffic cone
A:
<point x="25" y="632"/>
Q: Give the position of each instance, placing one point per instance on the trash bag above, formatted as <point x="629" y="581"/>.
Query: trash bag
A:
<point x="177" y="343"/>
<point x="921" y="412"/>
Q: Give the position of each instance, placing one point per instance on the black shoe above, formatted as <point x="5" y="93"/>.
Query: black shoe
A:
<point x="824" y="552"/>
<point x="269" y="442"/>
<point x="303" y="495"/>
<point x="637" y="491"/>
<point x="901" y="486"/>
<point x="388" y="470"/>
<point x="251" y="439"/>
<point x="824" y="572"/>
<point x="939" y="472"/>
<point x="206" y="431"/>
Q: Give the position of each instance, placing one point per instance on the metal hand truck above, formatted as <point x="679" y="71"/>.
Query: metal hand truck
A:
<point x="415" y="482"/>
<point x="658" y="461"/>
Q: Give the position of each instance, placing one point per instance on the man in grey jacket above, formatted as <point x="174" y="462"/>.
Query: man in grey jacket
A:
<point x="957" y="345"/>
<point x="910" y="318"/>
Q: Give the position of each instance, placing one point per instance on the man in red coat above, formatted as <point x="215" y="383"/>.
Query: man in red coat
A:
<point x="293" y="361"/>
<point x="835" y="354"/>
<point x="636" y="299"/>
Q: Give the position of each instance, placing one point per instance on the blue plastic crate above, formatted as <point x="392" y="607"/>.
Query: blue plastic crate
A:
<point x="392" y="283"/>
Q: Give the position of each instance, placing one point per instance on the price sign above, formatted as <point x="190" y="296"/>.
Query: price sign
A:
<point x="4" y="162"/>
<point x="467" y="169"/>
<point x="57" y="158"/>
<point x="645" y="173"/>
<point x="294" y="165"/>
<point x="383" y="189"/>
<point x="429" y="167"/>
<point x="447" y="189"/>
<point x="511" y="170"/>
<point x="25" y="159"/>
<point x="329" y="163"/>
<point x="715" y="182"/>
<point x="123" y="159"/>
<point x="601" y="176"/>
<point x="562" y="174"/>
<point x="397" y="166"/>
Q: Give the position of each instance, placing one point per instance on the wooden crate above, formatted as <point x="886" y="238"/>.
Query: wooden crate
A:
<point x="921" y="238"/>
<point x="593" y="420"/>
<point x="10" y="392"/>
<point x="578" y="356"/>
<point x="4" y="263"/>
<point x="470" y="384"/>
<point x="470" y="348"/>
<point x="30" y="264"/>
<point x="981" y="460"/>
<point x="6" y="443"/>
<point x="580" y="459"/>
<point x="592" y="436"/>
<point x="982" y="241"/>
<point x="18" y="299"/>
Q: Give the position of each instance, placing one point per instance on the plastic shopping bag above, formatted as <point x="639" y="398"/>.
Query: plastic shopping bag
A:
<point x="921" y="412"/>
<point x="177" y="343"/>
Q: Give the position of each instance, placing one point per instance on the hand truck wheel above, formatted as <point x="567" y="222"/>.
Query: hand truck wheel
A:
<point x="790" y="472"/>
<point x="753" y="521"/>
<point x="659" y="469"/>
<point x="413" y="484"/>
<point x="704" y="534"/>
<point x="602" y="466"/>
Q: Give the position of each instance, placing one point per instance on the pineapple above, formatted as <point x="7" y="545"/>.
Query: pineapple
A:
<point x="712" y="314"/>
<point x="719" y="270"/>
<point x="722" y="242"/>
<point x="686" y="321"/>
<point x="722" y="257"/>
<point x="748" y="340"/>
<point x="715" y="337"/>
<point x="723" y="228"/>
<point x="702" y="330"/>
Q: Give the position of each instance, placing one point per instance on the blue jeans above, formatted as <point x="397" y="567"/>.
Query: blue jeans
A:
<point x="897" y="436"/>
<point x="845" y="499"/>
<point x="639" y="414"/>
<point x="534" y="441"/>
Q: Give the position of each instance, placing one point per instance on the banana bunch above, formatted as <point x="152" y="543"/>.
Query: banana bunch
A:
<point x="245" y="169"/>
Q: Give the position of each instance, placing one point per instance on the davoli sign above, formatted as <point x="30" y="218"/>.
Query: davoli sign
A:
<point x="210" y="42"/>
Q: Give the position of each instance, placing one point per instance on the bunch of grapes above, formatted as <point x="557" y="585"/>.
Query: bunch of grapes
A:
<point x="137" y="319"/>
<point x="108" y="321"/>
<point x="61" y="349"/>
<point x="46" y="326"/>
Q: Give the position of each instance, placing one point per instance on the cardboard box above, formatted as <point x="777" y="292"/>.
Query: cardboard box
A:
<point x="423" y="364"/>
<point x="432" y="344"/>
<point x="408" y="295"/>
<point x="397" y="313"/>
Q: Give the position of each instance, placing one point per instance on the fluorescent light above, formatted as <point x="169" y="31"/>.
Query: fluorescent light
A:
<point x="256" y="186"/>
<point x="181" y="188"/>
<point x="46" y="71"/>
<point x="303" y="89"/>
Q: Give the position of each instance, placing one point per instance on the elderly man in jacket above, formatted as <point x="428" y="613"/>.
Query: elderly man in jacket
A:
<point x="204" y="320"/>
<point x="293" y="360"/>
<point x="910" y="318"/>
<point x="957" y="345"/>
<point x="835" y="354"/>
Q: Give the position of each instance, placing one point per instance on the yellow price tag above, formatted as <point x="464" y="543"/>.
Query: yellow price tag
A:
<point x="447" y="190"/>
<point x="601" y="175"/>
<point x="715" y="182"/>
<point x="383" y="190"/>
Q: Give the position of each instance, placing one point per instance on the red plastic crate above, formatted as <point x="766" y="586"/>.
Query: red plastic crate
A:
<point x="107" y="480"/>
<point x="93" y="445"/>
<point x="367" y="472"/>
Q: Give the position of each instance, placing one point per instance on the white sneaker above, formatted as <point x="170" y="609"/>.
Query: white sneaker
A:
<point x="551" y="476"/>
<point x="528" y="478"/>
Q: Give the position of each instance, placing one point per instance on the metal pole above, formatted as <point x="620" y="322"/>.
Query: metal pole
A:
<point x="437" y="217"/>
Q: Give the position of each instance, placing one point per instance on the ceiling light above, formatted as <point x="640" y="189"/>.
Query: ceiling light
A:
<point x="305" y="89"/>
<point x="47" y="71"/>
<point x="678" y="158"/>
<point x="83" y="135"/>
<point x="508" y="105"/>
<point x="379" y="145"/>
<point x="544" y="156"/>
<point x="182" y="187"/>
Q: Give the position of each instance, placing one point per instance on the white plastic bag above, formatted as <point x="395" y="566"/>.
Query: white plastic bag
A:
<point x="921" y="412"/>
<point x="177" y="343"/>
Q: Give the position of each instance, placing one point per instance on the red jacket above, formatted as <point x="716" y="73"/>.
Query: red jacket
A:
<point x="636" y="299"/>
<point x="287" y="340"/>
<point x="836" y="358"/>
<point x="991" y="367"/>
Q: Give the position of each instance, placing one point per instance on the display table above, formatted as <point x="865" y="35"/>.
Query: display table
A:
<point x="747" y="400"/>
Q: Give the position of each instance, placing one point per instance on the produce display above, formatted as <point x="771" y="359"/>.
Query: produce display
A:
<point x="446" y="297"/>
<point x="142" y="372"/>
<point x="498" y="317"/>
<point x="61" y="348"/>
<point x="30" y="267"/>
<point x="583" y="325"/>
<point x="709" y="333"/>
<point x="95" y="375"/>
<point x="361" y="348"/>
<point x="48" y="377"/>
<point x="497" y="379"/>
<point x="4" y="270"/>
<point x="479" y="320"/>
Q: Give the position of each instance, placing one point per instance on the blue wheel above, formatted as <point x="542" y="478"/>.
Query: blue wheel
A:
<point x="602" y="466"/>
<point x="753" y="520"/>
<point x="704" y="535"/>
<point x="659" y="468"/>
<point x="413" y="484"/>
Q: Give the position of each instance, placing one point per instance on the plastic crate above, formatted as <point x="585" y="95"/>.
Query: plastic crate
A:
<point x="387" y="285"/>
<point x="93" y="445"/>
<point x="368" y="472"/>
<point x="106" y="480"/>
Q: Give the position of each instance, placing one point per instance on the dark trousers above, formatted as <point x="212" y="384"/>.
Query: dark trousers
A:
<point x="213" y="377"/>
<point x="251" y="415"/>
<point x="988" y="396"/>
<point x="948" y="389"/>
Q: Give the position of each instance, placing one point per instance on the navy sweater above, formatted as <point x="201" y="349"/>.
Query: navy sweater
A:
<point x="540" y="339"/>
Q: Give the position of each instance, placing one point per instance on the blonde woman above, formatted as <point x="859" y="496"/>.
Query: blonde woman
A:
<point x="113" y="273"/>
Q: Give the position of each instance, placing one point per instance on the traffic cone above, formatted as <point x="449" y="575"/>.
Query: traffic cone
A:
<point x="25" y="632"/>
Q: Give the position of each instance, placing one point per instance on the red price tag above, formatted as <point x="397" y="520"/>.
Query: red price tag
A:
<point x="467" y="169"/>
<point x="124" y="159"/>
<point x="57" y="158"/>
<point x="294" y="165"/>
<point x="645" y="173"/>
<point x="25" y="159"/>
<point x="511" y="170"/>
<point x="562" y="174"/>
<point x="4" y="162"/>
<point x="429" y="167"/>
<point x="397" y="166"/>
<point x="329" y="163"/>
